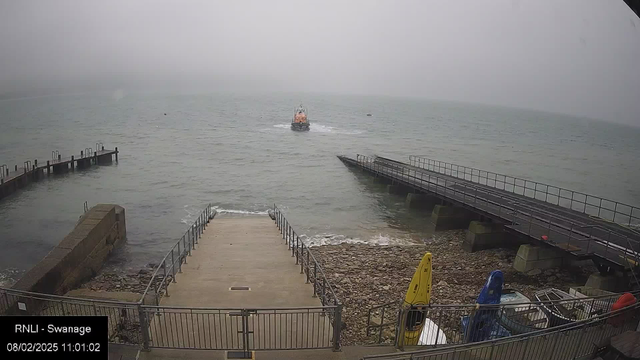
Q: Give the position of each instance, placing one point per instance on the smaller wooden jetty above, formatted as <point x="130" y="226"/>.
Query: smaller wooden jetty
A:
<point x="14" y="178"/>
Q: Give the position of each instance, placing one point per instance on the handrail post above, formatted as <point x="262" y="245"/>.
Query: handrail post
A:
<point x="179" y="258"/>
<point x="193" y="238"/>
<point x="315" y="279"/>
<point x="173" y="268"/>
<point x="297" y="248"/>
<point x="163" y="285"/>
<point x="324" y="291"/>
<point x="144" y="327"/>
<point x="337" y="326"/>
<point x="184" y="246"/>
<point x="293" y="246"/>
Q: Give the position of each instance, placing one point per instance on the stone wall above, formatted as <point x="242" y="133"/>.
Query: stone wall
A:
<point x="80" y="254"/>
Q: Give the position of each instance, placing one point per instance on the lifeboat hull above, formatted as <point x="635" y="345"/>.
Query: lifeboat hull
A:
<point x="300" y="126"/>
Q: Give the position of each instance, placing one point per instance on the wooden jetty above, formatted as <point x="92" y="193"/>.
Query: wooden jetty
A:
<point x="14" y="178"/>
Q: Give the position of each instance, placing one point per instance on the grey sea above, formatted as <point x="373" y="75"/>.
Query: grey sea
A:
<point x="237" y="152"/>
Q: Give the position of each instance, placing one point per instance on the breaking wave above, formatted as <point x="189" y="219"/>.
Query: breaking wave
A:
<point x="334" y="239"/>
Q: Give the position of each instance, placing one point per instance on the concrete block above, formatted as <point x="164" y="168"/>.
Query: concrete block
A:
<point x="533" y="257"/>
<point x="450" y="217"/>
<point x="381" y="180"/>
<point x="398" y="190"/>
<point x="482" y="235"/>
<point x="420" y="201"/>
<point x="531" y="252"/>
<point x="525" y="266"/>
<point x="609" y="282"/>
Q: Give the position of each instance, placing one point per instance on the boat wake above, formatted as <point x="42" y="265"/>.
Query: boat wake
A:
<point x="324" y="129"/>
<point x="239" y="212"/>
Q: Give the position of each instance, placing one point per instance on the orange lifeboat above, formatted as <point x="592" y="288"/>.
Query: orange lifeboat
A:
<point x="300" y="121"/>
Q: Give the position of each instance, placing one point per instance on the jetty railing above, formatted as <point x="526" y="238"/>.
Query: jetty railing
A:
<point x="570" y="341"/>
<point x="165" y="272"/>
<point x="569" y="235"/>
<point x="313" y="270"/>
<point x="592" y="205"/>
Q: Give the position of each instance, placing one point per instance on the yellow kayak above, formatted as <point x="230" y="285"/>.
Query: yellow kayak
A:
<point x="418" y="294"/>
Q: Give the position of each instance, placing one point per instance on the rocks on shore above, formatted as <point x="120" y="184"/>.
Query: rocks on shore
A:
<point x="365" y="276"/>
<point x="131" y="280"/>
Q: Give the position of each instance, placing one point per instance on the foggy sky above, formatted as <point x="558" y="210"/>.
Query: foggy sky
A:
<point x="572" y="56"/>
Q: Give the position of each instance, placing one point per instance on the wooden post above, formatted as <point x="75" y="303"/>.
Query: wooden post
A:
<point x="116" y="154"/>
<point x="16" y="168"/>
<point x="95" y="157"/>
<point x="48" y="168"/>
<point x="103" y="148"/>
<point x="35" y="162"/>
<point x="73" y="165"/>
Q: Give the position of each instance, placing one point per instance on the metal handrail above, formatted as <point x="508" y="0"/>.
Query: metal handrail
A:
<point x="308" y="262"/>
<point x="236" y="308"/>
<point x="444" y="186"/>
<point x="475" y="176"/>
<point x="535" y="334"/>
<point x="172" y="262"/>
<point x="299" y="249"/>
<point x="581" y="307"/>
<point x="41" y="296"/>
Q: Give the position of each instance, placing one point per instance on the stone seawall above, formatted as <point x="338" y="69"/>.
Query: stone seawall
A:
<point x="80" y="255"/>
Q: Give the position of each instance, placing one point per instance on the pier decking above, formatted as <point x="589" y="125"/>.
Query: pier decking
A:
<point x="582" y="227"/>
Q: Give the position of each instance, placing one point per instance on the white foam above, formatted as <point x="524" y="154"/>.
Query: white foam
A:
<point x="319" y="128"/>
<point x="335" y="239"/>
<point x="241" y="212"/>
<point x="189" y="218"/>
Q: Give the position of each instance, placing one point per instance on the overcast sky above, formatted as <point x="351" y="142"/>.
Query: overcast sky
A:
<point x="572" y="56"/>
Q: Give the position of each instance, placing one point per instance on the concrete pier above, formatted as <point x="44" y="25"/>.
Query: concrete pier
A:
<point x="381" y="180"/>
<point x="608" y="282"/>
<point x="580" y="226"/>
<point x="241" y="263"/>
<point x="398" y="190"/>
<point x="450" y="217"/>
<point x="484" y="235"/>
<point x="421" y="201"/>
<point x="531" y="258"/>
<point x="239" y="251"/>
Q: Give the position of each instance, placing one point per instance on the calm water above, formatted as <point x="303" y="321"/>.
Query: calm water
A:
<point x="237" y="152"/>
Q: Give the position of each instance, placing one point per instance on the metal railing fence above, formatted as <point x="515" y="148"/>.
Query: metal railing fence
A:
<point x="241" y="329"/>
<point x="308" y="264"/>
<point x="314" y="273"/>
<point x="514" y="318"/>
<point x="171" y="264"/>
<point x="124" y="318"/>
<point x="573" y="340"/>
<point x="610" y="210"/>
